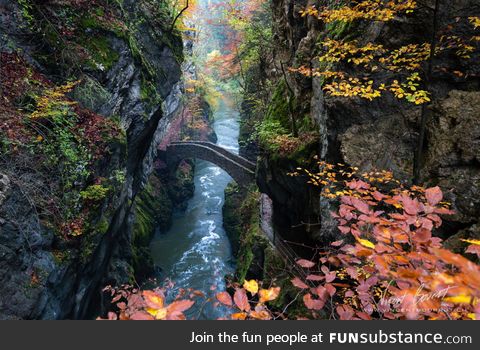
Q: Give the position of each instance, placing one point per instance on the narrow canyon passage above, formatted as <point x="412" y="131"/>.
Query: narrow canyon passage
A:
<point x="195" y="252"/>
<point x="352" y="129"/>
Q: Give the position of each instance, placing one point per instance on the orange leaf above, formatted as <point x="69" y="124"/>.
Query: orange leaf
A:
<point x="239" y="316"/>
<point x="269" y="294"/>
<point x="241" y="300"/>
<point x="153" y="300"/>
<point x="260" y="315"/>
<point x="180" y="306"/>
<point x="159" y="314"/>
<point x="224" y="298"/>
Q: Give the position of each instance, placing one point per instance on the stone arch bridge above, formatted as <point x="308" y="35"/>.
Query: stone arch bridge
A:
<point x="239" y="168"/>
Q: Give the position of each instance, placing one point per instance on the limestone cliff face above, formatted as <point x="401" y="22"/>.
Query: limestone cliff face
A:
<point x="382" y="134"/>
<point x="129" y="64"/>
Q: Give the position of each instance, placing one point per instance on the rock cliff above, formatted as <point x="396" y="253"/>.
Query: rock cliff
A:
<point x="383" y="133"/>
<point x="126" y="64"/>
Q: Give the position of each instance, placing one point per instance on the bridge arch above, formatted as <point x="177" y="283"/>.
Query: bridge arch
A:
<point x="239" y="168"/>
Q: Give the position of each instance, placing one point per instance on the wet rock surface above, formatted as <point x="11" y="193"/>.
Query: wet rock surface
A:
<point x="41" y="276"/>
<point x="383" y="133"/>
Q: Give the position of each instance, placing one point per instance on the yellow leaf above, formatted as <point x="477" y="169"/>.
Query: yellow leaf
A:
<point x="471" y="241"/>
<point x="159" y="314"/>
<point x="152" y="312"/>
<point x="471" y="316"/>
<point x="268" y="294"/>
<point x="366" y="243"/>
<point x="459" y="299"/>
<point x="251" y="286"/>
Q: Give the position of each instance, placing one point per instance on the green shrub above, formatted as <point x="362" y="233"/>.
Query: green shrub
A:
<point x="268" y="130"/>
<point x="95" y="193"/>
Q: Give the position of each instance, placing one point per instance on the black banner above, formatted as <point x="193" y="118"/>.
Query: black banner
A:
<point x="241" y="335"/>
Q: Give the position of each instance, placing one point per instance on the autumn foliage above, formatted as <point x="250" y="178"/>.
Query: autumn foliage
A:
<point x="388" y="264"/>
<point x="403" y="69"/>
<point x="247" y="302"/>
<point x="42" y="125"/>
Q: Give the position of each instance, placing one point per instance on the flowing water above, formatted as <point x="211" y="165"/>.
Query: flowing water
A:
<point x="195" y="252"/>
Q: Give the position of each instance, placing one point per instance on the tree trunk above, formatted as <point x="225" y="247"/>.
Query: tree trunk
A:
<point x="419" y="152"/>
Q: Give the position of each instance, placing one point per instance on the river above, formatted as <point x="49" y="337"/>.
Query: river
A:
<point x="196" y="252"/>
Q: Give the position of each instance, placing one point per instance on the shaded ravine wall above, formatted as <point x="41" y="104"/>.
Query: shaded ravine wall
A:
<point x="381" y="134"/>
<point x="71" y="287"/>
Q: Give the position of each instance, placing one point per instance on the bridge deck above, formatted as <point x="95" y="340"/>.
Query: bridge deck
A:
<point x="241" y="169"/>
<point x="239" y="159"/>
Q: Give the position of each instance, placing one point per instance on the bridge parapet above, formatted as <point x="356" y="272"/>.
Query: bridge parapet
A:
<point x="239" y="159"/>
<point x="239" y="168"/>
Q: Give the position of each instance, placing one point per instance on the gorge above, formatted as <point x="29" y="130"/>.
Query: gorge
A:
<point x="235" y="159"/>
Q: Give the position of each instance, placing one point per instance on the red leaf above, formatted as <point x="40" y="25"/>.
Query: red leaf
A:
<point x="330" y="277"/>
<point x="241" y="300"/>
<point x="117" y="298"/>
<point x="360" y="205"/>
<point x="305" y="263"/>
<point x="315" y="278"/>
<point x="299" y="284"/>
<point x="337" y="243"/>
<point x="472" y="249"/>
<point x="352" y="272"/>
<point x="410" y="305"/>
<point x="330" y="289"/>
<point x="358" y="185"/>
<point x="225" y="298"/>
<point x="135" y="302"/>
<point x="422" y="235"/>
<point x="321" y="292"/>
<point x="411" y="206"/>
<point x="434" y="195"/>
<point x="345" y="312"/>
<point x="363" y="315"/>
<point x="313" y="304"/>
<point x="378" y="196"/>
<point x="141" y="316"/>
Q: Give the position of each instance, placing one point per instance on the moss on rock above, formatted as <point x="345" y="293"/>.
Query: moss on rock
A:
<point x="153" y="208"/>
